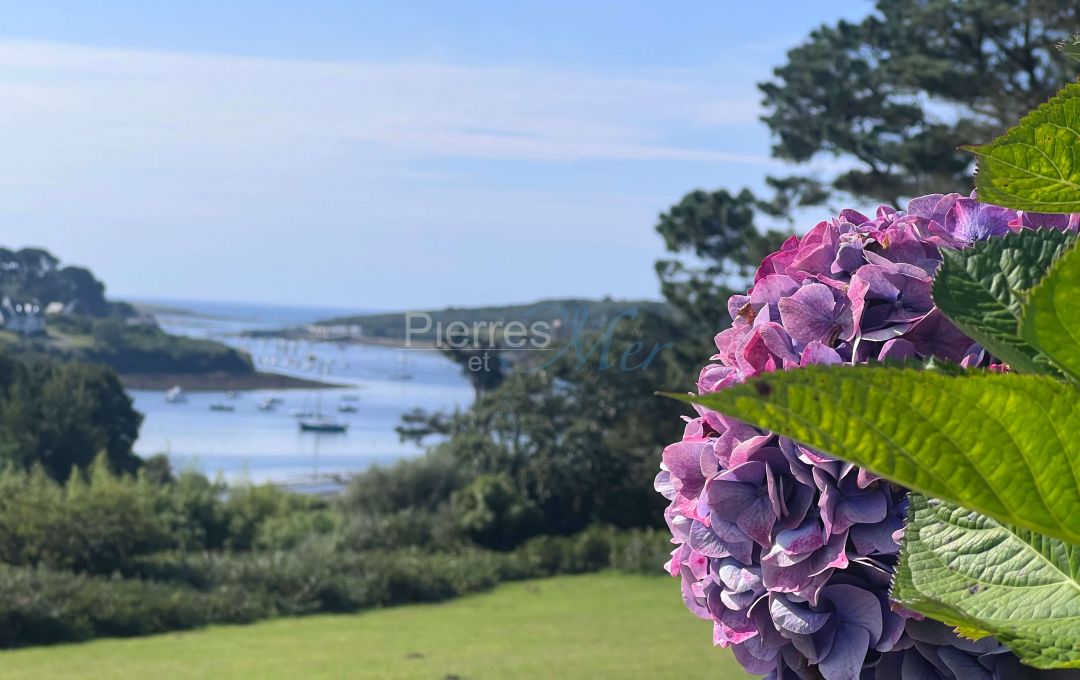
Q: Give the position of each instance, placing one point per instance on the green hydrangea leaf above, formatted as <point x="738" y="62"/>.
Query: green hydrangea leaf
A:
<point x="1005" y="445"/>
<point x="970" y="571"/>
<point x="1051" y="315"/>
<point x="1035" y="165"/>
<point x="981" y="290"/>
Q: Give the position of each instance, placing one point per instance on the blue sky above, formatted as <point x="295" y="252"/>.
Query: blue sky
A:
<point x="377" y="155"/>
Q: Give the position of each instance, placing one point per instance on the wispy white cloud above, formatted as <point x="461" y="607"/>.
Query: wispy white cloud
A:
<point x="75" y="102"/>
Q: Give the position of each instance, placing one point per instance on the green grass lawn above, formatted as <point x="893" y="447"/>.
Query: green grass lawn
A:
<point x="594" y="626"/>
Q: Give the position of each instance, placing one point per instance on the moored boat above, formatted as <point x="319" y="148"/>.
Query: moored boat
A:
<point x="322" y="424"/>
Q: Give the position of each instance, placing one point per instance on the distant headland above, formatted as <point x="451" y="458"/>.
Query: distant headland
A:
<point x="60" y="311"/>
<point x="562" y="317"/>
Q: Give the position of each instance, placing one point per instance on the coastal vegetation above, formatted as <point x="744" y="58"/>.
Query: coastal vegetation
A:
<point x="120" y="555"/>
<point x="38" y="275"/>
<point x="143" y="348"/>
<point x="76" y="322"/>
<point x="549" y="473"/>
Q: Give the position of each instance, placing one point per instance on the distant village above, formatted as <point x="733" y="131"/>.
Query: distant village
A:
<point x="35" y="286"/>
<point x="29" y="318"/>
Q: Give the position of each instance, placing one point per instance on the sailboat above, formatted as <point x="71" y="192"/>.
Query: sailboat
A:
<point x="403" y="370"/>
<point x="319" y="422"/>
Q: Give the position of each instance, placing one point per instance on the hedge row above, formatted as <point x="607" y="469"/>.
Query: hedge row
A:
<point x="175" y="591"/>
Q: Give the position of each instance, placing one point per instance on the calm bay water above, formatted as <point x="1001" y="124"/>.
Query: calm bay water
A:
<point x="383" y="383"/>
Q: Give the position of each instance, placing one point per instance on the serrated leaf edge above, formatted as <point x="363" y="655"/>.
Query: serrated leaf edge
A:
<point x="981" y="151"/>
<point x="1024" y="328"/>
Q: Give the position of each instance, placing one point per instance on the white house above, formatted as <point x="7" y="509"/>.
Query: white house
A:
<point x="24" y="318"/>
<point x="54" y="308"/>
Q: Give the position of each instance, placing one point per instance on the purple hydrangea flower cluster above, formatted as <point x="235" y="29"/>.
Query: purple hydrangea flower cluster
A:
<point x="788" y="552"/>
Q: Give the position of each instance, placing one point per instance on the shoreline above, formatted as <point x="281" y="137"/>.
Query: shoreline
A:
<point x="222" y="382"/>
<point x="305" y="336"/>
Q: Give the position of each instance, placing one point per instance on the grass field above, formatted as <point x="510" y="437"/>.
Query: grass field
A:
<point x="594" y="626"/>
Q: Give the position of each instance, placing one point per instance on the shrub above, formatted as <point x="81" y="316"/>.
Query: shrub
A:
<point x="42" y="606"/>
<point x="423" y="482"/>
<point x="360" y="532"/>
<point x="95" y="525"/>
<point x="493" y="513"/>
<point x="177" y="590"/>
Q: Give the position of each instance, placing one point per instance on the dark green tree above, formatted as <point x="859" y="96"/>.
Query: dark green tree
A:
<point x="576" y="439"/>
<point x="492" y="512"/>
<point x="717" y="243"/>
<point x="36" y="274"/>
<point x="894" y="95"/>
<point x="78" y="285"/>
<point x="568" y="439"/>
<point x="61" y="416"/>
<point x="481" y="364"/>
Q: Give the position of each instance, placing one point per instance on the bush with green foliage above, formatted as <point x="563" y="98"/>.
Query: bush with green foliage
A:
<point x="134" y="554"/>
<point x="491" y="512"/>
<point x="556" y="447"/>
<point x="101" y="523"/>
<point x="39" y="605"/>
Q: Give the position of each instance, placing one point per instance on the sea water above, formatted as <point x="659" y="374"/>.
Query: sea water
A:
<point x="267" y="445"/>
